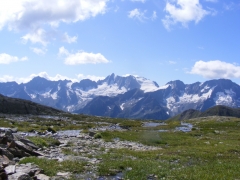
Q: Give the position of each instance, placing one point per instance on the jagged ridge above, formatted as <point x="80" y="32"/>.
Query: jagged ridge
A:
<point x="128" y="97"/>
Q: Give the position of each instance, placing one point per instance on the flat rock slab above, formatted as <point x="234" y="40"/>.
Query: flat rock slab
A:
<point x="23" y="146"/>
<point x="28" y="168"/>
<point x="42" y="177"/>
<point x="19" y="176"/>
<point x="10" y="169"/>
<point x="63" y="174"/>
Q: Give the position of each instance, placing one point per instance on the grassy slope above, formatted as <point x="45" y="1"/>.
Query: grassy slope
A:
<point x="211" y="151"/>
<point x="214" y="111"/>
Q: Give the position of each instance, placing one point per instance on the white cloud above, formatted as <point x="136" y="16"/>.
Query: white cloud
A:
<point x="7" y="59"/>
<point x="52" y="78"/>
<point x="91" y="77"/>
<point x="183" y="11"/>
<point x="63" y="51"/>
<point x="216" y="69"/>
<point x="82" y="57"/>
<point x="137" y="14"/>
<point x="22" y="14"/>
<point x="8" y="78"/>
<point x="68" y="39"/>
<point x="36" y="16"/>
<point x="39" y="36"/>
<point x="142" y="1"/>
<point x="39" y="51"/>
<point x="43" y="37"/>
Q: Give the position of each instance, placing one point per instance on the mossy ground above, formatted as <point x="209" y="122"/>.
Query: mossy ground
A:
<point x="210" y="151"/>
<point x="52" y="167"/>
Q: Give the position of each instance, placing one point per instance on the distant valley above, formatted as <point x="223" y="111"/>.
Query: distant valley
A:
<point x="126" y="97"/>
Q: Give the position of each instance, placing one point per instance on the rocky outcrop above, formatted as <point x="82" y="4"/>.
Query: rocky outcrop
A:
<point x="12" y="148"/>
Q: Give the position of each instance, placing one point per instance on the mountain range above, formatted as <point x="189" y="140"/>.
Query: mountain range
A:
<point x="126" y="97"/>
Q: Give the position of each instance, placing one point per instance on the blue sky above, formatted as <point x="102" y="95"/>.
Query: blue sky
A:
<point x="162" y="40"/>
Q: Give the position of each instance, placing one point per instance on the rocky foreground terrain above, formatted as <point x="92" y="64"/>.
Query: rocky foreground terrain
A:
<point x="96" y="148"/>
<point x="15" y="146"/>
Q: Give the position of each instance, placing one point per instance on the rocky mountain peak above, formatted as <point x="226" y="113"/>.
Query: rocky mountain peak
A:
<point x="176" y="84"/>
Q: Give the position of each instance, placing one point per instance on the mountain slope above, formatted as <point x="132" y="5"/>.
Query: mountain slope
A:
<point x="71" y="96"/>
<point x="221" y="111"/>
<point x="174" y="98"/>
<point x="132" y="104"/>
<point x="19" y="106"/>
<point x="218" y="110"/>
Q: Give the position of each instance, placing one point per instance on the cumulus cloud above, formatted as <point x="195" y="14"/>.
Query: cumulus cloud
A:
<point x="36" y="16"/>
<point x="7" y="59"/>
<point x="45" y="75"/>
<point x="216" y="69"/>
<point x="69" y="39"/>
<point x="137" y="14"/>
<point x="183" y="11"/>
<point x="91" y="77"/>
<point x="82" y="57"/>
<point x="6" y="78"/>
<point x="39" y="36"/>
<point x="43" y="37"/>
<point x="22" y="14"/>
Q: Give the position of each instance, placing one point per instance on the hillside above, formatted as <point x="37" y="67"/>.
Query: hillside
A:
<point x="20" y="106"/>
<point x="214" y="111"/>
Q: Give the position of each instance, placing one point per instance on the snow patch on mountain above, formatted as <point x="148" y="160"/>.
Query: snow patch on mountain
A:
<point x="70" y="108"/>
<point x="205" y="88"/>
<point x="69" y="85"/>
<point x="122" y="106"/>
<point x="164" y="87"/>
<point x="33" y="96"/>
<point x="185" y="101"/>
<point x="225" y="97"/>
<point x="54" y="96"/>
<point x="104" y="90"/>
<point x="146" y="84"/>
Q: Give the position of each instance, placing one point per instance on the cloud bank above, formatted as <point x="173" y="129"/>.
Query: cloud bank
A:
<point x="7" y="78"/>
<point x="7" y="59"/>
<point x="216" y="69"/>
<point x="23" y="14"/>
<point x="35" y="16"/>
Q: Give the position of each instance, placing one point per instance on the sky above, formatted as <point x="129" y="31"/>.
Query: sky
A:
<point x="161" y="40"/>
